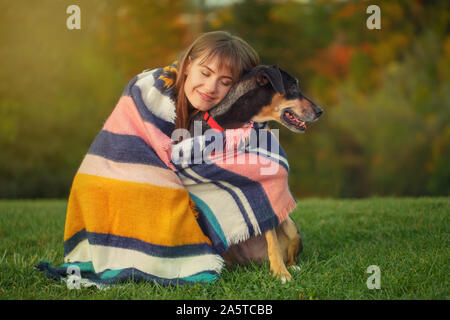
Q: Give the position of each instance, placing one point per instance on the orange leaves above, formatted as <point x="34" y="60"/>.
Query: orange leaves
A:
<point x="333" y="61"/>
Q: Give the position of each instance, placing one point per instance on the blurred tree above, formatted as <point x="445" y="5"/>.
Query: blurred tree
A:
<point x="385" y="92"/>
<point x="62" y="84"/>
<point x="145" y="34"/>
<point x="380" y="113"/>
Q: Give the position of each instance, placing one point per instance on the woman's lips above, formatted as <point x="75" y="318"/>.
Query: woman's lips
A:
<point x="205" y="97"/>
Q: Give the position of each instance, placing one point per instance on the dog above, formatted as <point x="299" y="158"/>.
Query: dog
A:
<point x="266" y="93"/>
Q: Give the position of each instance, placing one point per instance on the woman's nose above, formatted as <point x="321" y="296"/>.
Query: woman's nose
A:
<point x="210" y="85"/>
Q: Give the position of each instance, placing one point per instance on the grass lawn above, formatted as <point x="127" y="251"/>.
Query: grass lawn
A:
<point x="407" y="238"/>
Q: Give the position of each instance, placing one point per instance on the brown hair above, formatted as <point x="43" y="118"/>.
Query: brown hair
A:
<point x="237" y="54"/>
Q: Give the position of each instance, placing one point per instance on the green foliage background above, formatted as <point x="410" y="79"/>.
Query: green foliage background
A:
<point x="386" y="93"/>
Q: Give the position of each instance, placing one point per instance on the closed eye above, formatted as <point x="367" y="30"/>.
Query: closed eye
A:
<point x="224" y="82"/>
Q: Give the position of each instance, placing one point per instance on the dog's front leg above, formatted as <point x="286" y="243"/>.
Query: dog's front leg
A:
<point x="277" y="265"/>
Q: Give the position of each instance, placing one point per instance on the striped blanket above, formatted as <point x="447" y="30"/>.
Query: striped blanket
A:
<point x="144" y="208"/>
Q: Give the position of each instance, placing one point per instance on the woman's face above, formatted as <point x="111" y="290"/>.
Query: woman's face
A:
<point x="206" y="85"/>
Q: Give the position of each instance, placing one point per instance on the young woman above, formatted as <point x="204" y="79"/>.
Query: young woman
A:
<point x="207" y="71"/>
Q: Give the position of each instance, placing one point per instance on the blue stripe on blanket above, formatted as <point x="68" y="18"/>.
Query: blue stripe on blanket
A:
<point x="124" y="148"/>
<point x="127" y="91"/>
<point x="160" y="84"/>
<point x="252" y="190"/>
<point x="107" y="277"/>
<point x="165" y="126"/>
<point x="125" y="275"/>
<point x="236" y="199"/>
<point x="209" y="224"/>
<point x="88" y="272"/>
<point x="135" y="244"/>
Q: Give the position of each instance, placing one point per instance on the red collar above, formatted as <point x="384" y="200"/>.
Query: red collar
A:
<point x="211" y="122"/>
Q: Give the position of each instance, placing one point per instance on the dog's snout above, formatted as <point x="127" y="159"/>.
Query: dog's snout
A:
<point x="318" y="111"/>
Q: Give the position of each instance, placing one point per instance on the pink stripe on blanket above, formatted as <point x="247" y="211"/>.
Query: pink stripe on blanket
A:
<point x="132" y="172"/>
<point x="125" y="119"/>
<point x="272" y="176"/>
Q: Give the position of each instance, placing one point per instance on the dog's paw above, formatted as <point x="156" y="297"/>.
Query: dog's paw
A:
<point x="295" y="268"/>
<point x="284" y="276"/>
<point x="284" y="279"/>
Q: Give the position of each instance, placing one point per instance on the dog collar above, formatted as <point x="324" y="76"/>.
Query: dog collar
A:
<point x="211" y="122"/>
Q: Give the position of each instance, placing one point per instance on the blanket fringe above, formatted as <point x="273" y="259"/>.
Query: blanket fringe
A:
<point x="238" y="237"/>
<point x="283" y="214"/>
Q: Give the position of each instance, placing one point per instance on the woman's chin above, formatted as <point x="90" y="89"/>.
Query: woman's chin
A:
<point x="202" y="106"/>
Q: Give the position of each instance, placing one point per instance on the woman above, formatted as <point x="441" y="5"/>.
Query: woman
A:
<point x="129" y="216"/>
<point x="208" y="69"/>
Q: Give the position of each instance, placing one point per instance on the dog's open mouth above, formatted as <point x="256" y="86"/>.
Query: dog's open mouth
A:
<point x="293" y="119"/>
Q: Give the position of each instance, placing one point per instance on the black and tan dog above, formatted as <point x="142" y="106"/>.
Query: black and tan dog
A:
<point x="264" y="94"/>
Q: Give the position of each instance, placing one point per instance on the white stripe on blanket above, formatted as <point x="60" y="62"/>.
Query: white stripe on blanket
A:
<point x="220" y="200"/>
<point x="273" y="155"/>
<point x="133" y="172"/>
<point x="162" y="105"/>
<point x="114" y="258"/>
<point x="238" y="192"/>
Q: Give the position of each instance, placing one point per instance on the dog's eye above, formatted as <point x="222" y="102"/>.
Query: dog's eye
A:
<point x="293" y="89"/>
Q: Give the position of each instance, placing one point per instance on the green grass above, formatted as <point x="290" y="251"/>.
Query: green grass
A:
<point x="407" y="238"/>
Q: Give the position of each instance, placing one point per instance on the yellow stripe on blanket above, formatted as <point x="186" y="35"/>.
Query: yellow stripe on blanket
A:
<point x="154" y="214"/>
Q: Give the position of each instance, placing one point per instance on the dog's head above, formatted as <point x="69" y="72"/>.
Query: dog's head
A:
<point x="288" y="105"/>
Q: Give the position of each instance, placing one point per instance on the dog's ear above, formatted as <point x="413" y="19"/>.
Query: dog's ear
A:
<point x="272" y="75"/>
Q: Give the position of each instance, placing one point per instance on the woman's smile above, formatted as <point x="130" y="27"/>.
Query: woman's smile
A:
<point x="205" y="97"/>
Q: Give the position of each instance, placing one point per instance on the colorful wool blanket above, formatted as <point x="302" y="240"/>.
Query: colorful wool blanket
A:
<point x="142" y="207"/>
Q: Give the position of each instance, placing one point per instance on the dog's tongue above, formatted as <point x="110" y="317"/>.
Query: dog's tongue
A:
<point x="298" y="123"/>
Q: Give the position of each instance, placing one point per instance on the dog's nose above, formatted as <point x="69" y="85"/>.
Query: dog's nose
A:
<point x="318" y="111"/>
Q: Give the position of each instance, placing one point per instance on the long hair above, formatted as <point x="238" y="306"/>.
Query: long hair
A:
<point x="231" y="50"/>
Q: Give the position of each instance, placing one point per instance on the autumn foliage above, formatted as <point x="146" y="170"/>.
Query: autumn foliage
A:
<point x="385" y="93"/>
